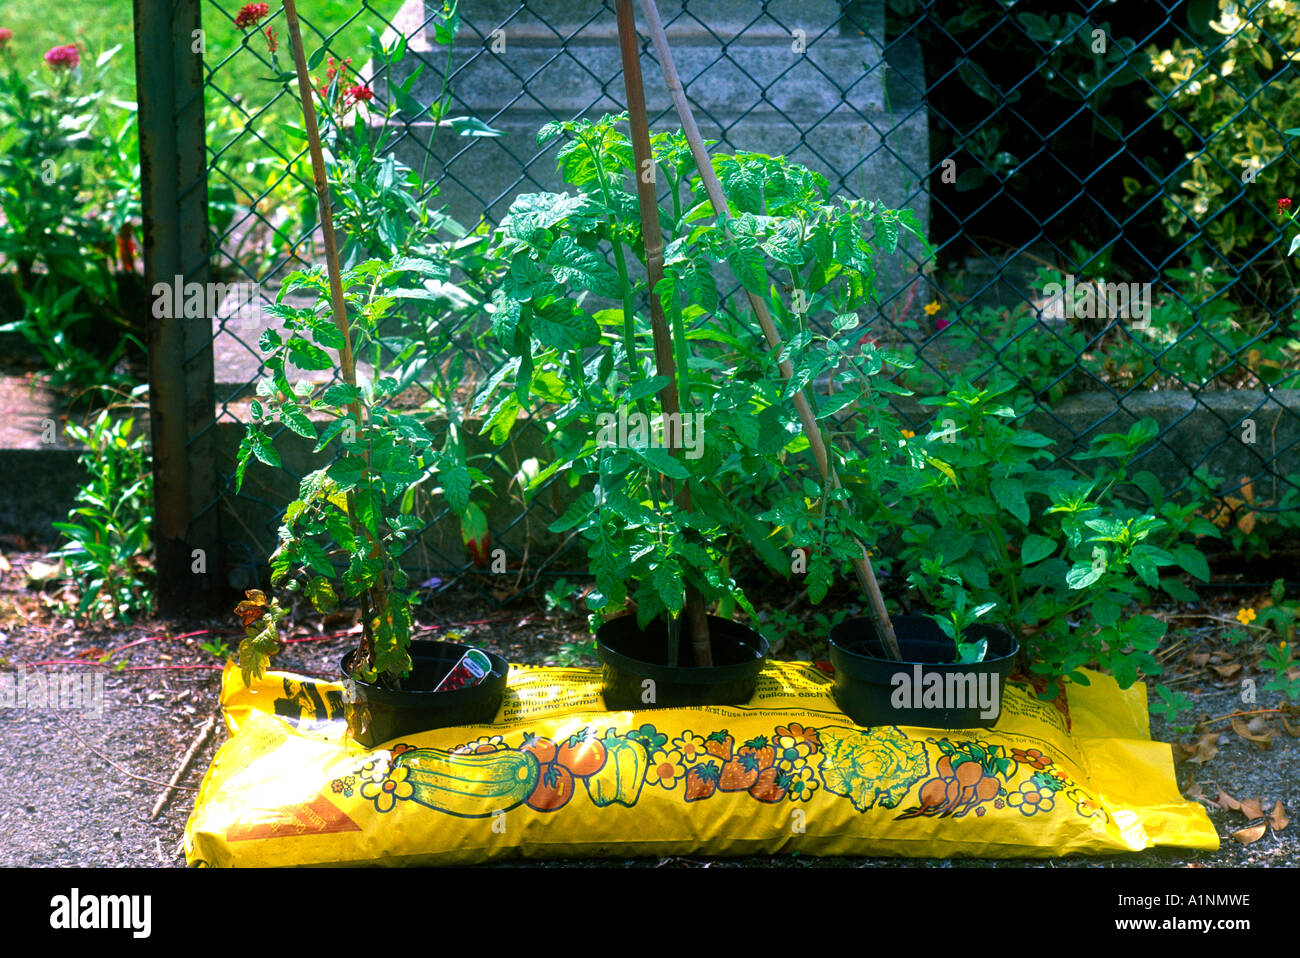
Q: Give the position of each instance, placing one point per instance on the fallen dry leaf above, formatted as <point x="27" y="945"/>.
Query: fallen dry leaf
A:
<point x="1290" y="729"/>
<point x="1227" y="671"/>
<point x="1252" y="808"/>
<point x="1259" y="725"/>
<point x="1226" y="801"/>
<point x="1195" y="791"/>
<point x="1277" y="818"/>
<point x="1200" y="751"/>
<point x="1199" y="658"/>
<point x="1247" y="836"/>
<point x="1243" y="730"/>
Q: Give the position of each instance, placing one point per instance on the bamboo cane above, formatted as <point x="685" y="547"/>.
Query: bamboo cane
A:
<point x="373" y="599"/>
<point x="665" y="363"/>
<point x="861" y="564"/>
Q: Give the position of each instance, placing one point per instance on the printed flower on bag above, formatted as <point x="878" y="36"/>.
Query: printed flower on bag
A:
<point x="1031" y="799"/>
<point x="795" y="730"/>
<point x="650" y="737"/>
<point x="803" y="782"/>
<point x="1085" y="805"/>
<point x="1031" y="756"/>
<point x="691" y="746"/>
<point x="791" y="753"/>
<point x="665" y="769"/>
<point x="481" y="746"/>
<point x="343" y="786"/>
<point x="1053" y="779"/>
<point x="385" y="792"/>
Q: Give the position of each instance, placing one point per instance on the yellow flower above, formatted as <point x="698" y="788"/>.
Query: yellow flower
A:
<point x="665" y="769"/>
<point x="802" y="784"/>
<point x="907" y="433"/>
<point x="932" y="307"/>
<point x="1031" y="799"/>
<point x="1245" y="616"/>
<point x="691" y="746"/>
<point x="791" y="752"/>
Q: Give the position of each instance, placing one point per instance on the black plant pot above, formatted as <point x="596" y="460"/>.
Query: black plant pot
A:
<point x="927" y="689"/>
<point x="377" y="715"/>
<point x="631" y="657"/>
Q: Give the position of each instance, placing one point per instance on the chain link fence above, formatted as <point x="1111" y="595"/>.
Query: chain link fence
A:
<point x="1100" y="182"/>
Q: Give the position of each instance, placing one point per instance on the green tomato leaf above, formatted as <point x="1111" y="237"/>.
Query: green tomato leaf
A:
<point x="662" y="461"/>
<point x="306" y="355"/>
<point x="456" y="485"/>
<point x="586" y="268"/>
<point x="293" y="417"/>
<point x="348" y="472"/>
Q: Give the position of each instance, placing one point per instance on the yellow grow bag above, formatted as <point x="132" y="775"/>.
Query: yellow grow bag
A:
<point x="557" y="776"/>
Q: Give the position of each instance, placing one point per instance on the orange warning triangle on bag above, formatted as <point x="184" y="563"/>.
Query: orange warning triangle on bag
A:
<point x="317" y="817"/>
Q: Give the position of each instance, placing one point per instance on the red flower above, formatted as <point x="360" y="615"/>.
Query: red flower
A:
<point x="1283" y="204"/>
<point x="271" y="45"/>
<point x="63" y="58"/>
<point x="941" y="324"/>
<point x="334" y="67"/>
<point x="360" y="93"/>
<point x="250" y="14"/>
<point x="5" y="36"/>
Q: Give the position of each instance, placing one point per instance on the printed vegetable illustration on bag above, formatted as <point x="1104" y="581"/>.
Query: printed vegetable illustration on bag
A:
<point x="879" y="767"/>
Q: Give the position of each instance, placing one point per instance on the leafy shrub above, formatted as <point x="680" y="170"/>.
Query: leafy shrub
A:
<point x="1227" y="99"/>
<point x="1047" y="546"/>
<point x="108" y="533"/>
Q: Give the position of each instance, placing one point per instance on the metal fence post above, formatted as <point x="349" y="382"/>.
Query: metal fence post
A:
<point x="174" y="196"/>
